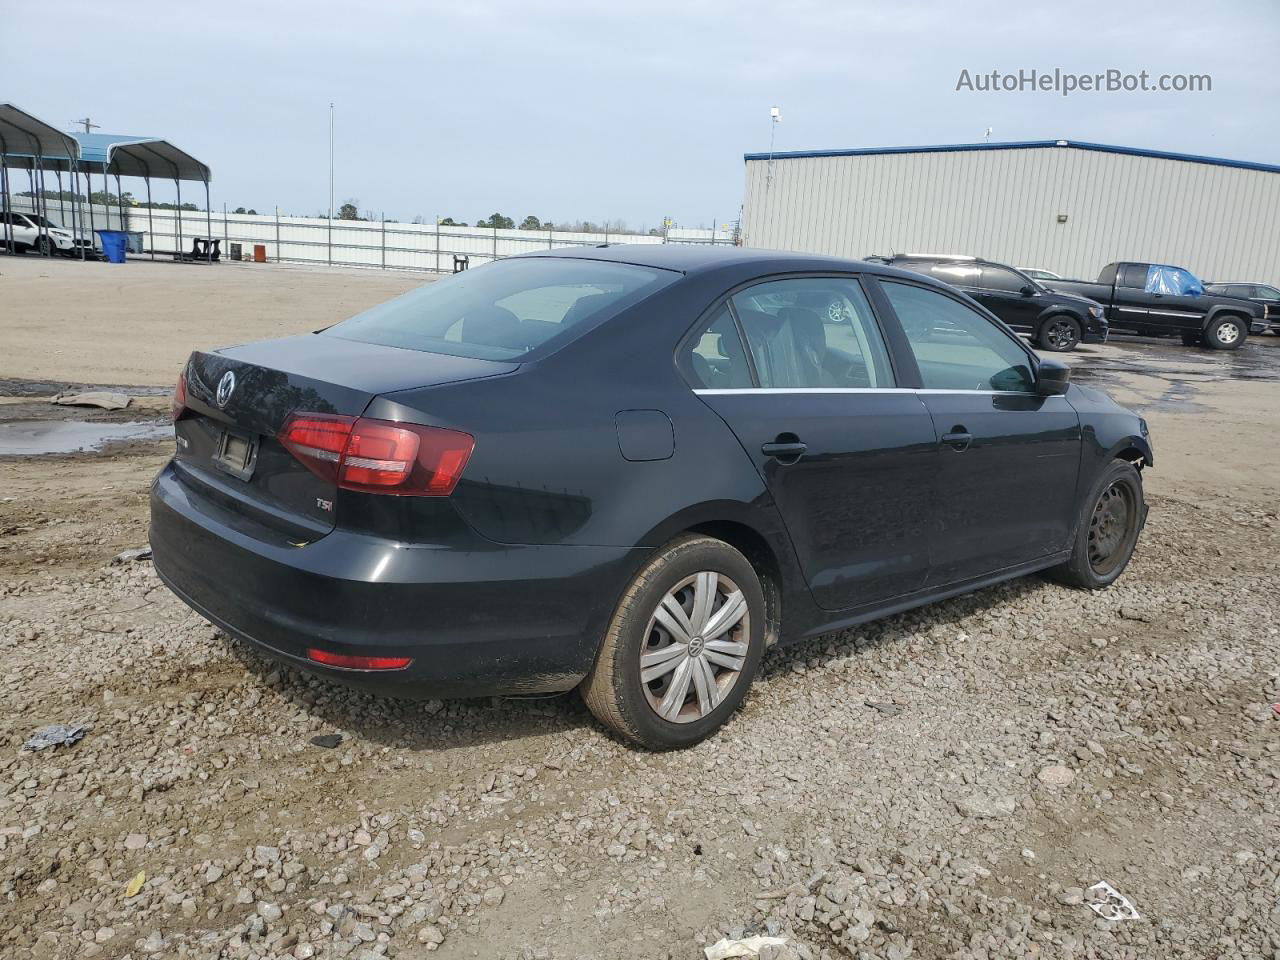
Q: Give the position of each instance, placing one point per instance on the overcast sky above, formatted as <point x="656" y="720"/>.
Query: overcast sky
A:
<point x="613" y="109"/>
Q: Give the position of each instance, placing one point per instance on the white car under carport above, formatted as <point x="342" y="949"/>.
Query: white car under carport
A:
<point x="33" y="232"/>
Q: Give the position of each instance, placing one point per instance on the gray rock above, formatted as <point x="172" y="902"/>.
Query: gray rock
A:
<point x="986" y="807"/>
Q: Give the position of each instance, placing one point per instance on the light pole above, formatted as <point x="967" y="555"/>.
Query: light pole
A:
<point x="329" y="222"/>
<point x="775" y="118"/>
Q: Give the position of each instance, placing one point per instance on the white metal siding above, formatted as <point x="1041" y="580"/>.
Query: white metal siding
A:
<point x="1221" y="223"/>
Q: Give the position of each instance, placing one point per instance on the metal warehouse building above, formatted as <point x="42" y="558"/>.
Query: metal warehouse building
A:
<point x="1062" y="205"/>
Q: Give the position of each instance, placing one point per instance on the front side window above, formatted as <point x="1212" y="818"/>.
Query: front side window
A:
<point x="504" y="310"/>
<point x="812" y="332"/>
<point x="1172" y="281"/>
<point x="957" y="348"/>
<point x="1266" y="293"/>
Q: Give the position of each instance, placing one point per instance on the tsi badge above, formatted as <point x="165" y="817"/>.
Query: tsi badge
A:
<point x="326" y="505"/>
<point x="225" y="387"/>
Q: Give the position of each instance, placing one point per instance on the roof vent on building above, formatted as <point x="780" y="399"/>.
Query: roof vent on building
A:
<point x="1061" y="143"/>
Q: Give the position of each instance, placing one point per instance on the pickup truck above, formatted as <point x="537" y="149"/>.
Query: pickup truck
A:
<point x="1155" y="299"/>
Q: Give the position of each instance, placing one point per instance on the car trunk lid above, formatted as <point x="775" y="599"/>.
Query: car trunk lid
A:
<point x="238" y="398"/>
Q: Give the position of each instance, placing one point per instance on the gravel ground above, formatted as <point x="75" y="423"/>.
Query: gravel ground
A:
<point x="940" y="784"/>
<point x="945" y="783"/>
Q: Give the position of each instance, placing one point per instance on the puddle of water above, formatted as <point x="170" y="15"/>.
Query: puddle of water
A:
<point x="1179" y="372"/>
<point x="27" y="438"/>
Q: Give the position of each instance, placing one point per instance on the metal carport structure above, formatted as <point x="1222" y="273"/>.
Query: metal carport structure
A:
<point x="29" y="143"/>
<point x="145" y="157"/>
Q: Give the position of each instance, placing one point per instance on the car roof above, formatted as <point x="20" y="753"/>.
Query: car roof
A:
<point x="691" y="258"/>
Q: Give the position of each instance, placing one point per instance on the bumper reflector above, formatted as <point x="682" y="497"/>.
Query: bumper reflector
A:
<point x="349" y="662"/>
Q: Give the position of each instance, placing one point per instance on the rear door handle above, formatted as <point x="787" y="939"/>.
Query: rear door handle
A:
<point x="958" y="439"/>
<point x="785" y="452"/>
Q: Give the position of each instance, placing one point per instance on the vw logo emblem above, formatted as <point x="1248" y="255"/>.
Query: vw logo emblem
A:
<point x="225" y="387"/>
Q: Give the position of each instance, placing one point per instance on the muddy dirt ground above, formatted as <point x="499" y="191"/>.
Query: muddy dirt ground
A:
<point x="945" y="783"/>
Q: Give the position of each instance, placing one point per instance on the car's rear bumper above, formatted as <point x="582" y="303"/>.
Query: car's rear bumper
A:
<point x="490" y="619"/>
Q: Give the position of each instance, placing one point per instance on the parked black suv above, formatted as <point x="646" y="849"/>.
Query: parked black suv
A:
<point x="1263" y="294"/>
<point x="1055" y="321"/>
<point x="1154" y="299"/>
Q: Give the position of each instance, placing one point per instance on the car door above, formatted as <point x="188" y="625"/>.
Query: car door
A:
<point x="1130" y="301"/>
<point x="24" y="231"/>
<point x="1005" y="489"/>
<point x="1000" y="291"/>
<point x="1269" y="299"/>
<point x="1174" y="298"/>
<point x="847" y="455"/>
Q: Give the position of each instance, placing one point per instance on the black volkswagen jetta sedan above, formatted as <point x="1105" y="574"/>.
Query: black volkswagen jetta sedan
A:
<point x="630" y="469"/>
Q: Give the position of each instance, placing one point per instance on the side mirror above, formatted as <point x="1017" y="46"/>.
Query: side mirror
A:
<point x="1052" y="378"/>
<point x="1028" y="291"/>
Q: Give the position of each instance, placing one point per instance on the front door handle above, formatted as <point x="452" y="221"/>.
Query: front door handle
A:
<point x="958" y="439"/>
<point x="788" y="451"/>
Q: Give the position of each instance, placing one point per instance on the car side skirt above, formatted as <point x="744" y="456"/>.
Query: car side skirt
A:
<point x="855" y="616"/>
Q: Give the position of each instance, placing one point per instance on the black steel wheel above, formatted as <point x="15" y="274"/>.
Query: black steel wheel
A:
<point x="1110" y="519"/>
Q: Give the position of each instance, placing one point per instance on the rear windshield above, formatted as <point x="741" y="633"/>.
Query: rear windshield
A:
<point x="506" y="309"/>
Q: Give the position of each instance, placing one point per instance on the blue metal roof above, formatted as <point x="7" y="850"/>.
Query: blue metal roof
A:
<point x="1021" y="145"/>
<point x="94" y="146"/>
<point x="125" y="156"/>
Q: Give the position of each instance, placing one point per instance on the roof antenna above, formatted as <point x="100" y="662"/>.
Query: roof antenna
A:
<point x="986" y="137"/>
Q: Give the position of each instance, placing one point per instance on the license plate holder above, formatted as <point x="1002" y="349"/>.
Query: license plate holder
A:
<point x="237" y="454"/>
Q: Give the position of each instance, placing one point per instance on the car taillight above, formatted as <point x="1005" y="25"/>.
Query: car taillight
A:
<point x="179" y="405"/>
<point x="378" y="456"/>
<point x="350" y="662"/>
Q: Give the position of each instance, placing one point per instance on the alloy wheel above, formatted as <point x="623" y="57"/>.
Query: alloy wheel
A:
<point x="695" y="647"/>
<point x="1060" y="334"/>
<point x="1227" y="333"/>
<point x="1111" y="527"/>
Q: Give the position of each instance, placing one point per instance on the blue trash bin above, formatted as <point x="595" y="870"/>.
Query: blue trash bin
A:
<point x="113" y="244"/>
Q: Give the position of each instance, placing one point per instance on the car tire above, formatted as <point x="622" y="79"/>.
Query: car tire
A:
<point x="1225" y="333"/>
<point x="45" y="247"/>
<point x="1059" y="334"/>
<point x="1191" y="338"/>
<point x="653" y="712"/>
<point x="1107" y="528"/>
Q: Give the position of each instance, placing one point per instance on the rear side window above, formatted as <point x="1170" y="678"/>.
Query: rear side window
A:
<point x="1006" y="281"/>
<point x="812" y="332"/>
<point x="956" y="274"/>
<point x="957" y="348"/>
<point x="717" y="360"/>
<point x="1133" y="275"/>
<point x="504" y="310"/>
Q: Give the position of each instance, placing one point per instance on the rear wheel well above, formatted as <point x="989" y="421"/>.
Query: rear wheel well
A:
<point x="762" y="559"/>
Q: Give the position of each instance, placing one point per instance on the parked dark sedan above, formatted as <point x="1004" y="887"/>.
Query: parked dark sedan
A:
<point x="630" y="469"/>
<point x="1053" y="320"/>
